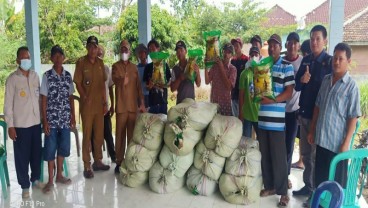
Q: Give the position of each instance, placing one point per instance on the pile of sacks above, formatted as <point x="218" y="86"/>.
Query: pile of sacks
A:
<point x="185" y="127"/>
<point x="143" y="150"/>
<point x="242" y="181"/>
<point x="222" y="138"/>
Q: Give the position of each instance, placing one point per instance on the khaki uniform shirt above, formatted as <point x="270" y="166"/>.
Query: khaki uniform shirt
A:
<point x="22" y="104"/>
<point x="126" y="95"/>
<point x="92" y="77"/>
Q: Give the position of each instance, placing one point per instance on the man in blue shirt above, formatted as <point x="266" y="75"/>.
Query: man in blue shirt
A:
<point x="142" y="53"/>
<point x="308" y="80"/>
<point x="338" y="102"/>
<point x="271" y="123"/>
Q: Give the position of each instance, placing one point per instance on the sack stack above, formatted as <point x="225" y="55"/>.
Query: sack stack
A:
<point x="143" y="150"/>
<point x="186" y="124"/>
<point x="242" y="181"/>
<point x="222" y="138"/>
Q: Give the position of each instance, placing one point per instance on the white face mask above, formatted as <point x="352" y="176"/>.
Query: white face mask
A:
<point x="255" y="58"/>
<point x="125" y="56"/>
<point x="25" y="64"/>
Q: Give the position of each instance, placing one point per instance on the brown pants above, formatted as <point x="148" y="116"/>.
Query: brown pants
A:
<point x="125" y="123"/>
<point x="95" y="122"/>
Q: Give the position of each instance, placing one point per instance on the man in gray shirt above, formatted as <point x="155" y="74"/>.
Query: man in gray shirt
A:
<point x="179" y="82"/>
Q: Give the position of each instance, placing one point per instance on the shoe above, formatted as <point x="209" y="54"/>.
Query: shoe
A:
<point x="38" y="184"/>
<point x="302" y="192"/>
<point x="25" y="194"/>
<point x="88" y="173"/>
<point x="117" y="169"/>
<point x="98" y="165"/>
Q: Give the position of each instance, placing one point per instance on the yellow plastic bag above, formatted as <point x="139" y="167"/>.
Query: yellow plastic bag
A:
<point x="212" y="39"/>
<point x="263" y="79"/>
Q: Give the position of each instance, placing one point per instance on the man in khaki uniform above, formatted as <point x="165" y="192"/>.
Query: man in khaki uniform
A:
<point x="90" y="78"/>
<point x="128" y="90"/>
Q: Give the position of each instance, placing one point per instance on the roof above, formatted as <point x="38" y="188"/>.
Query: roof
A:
<point x="321" y="13"/>
<point x="277" y="16"/>
<point x="357" y="30"/>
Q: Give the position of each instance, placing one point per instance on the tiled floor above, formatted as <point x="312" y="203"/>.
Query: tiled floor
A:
<point x="104" y="191"/>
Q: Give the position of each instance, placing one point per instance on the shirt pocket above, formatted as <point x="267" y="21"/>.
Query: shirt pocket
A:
<point x="87" y="77"/>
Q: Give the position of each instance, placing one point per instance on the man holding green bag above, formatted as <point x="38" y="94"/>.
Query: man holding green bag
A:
<point x="182" y="77"/>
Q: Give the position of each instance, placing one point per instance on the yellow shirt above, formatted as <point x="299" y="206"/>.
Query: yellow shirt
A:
<point x="92" y="77"/>
<point x="127" y="95"/>
<point x="22" y="103"/>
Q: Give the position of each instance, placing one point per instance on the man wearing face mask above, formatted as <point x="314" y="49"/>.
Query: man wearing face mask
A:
<point x="22" y="115"/>
<point x="128" y="91"/>
<point x="90" y="77"/>
<point x="222" y="77"/>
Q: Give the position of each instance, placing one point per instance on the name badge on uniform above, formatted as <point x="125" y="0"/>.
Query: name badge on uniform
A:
<point x="22" y="93"/>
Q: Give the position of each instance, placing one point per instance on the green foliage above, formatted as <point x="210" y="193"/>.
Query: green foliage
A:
<point x="363" y="88"/>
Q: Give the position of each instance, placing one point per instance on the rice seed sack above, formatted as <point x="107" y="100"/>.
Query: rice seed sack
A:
<point x="177" y="165"/>
<point x="162" y="181"/>
<point x="200" y="184"/>
<point x="210" y="163"/>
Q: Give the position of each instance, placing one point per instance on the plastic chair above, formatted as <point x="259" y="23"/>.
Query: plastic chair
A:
<point x="65" y="165"/>
<point x="4" y="174"/>
<point x="355" y="157"/>
<point x="334" y="189"/>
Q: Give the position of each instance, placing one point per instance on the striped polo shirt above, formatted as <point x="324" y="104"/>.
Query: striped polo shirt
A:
<point x="272" y="116"/>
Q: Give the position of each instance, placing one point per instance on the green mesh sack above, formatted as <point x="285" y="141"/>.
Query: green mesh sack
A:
<point x="263" y="79"/>
<point x="159" y="68"/>
<point x="212" y="39"/>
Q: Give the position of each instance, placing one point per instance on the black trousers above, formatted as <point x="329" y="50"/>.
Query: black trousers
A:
<point x="108" y="137"/>
<point x="322" y="167"/>
<point x="290" y="134"/>
<point x="273" y="162"/>
<point x="27" y="152"/>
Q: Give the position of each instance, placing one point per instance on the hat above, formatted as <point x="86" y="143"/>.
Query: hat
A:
<point x="276" y="38"/>
<point x="256" y="38"/>
<point x="293" y="36"/>
<point x="125" y="44"/>
<point x="92" y="39"/>
<point x="229" y="47"/>
<point x="180" y="44"/>
<point x="254" y="49"/>
<point x="237" y="40"/>
<point x="56" y="49"/>
<point x="141" y="47"/>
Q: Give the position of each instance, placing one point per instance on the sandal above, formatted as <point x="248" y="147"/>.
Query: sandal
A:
<point x="63" y="180"/>
<point x="284" y="201"/>
<point x="265" y="192"/>
<point x="47" y="188"/>
<point x="296" y="166"/>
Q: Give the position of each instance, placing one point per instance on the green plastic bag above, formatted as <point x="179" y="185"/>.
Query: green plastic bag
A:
<point x="195" y="56"/>
<point x="159" y="68"/>
<point x="213" y="51"/>
<point x="263" y="79"/>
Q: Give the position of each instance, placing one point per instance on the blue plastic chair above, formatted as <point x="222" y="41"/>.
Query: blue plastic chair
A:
<point x="351" y="197"/>
<point x="334" y="189"/>
<point x="355" y="133"/>
<point x="4" y="174"/>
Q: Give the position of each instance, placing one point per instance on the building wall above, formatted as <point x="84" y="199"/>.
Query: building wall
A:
<point x="359" y="60"/>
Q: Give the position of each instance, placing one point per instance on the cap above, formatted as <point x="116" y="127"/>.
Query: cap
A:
<point x="293" y="36"/>
<point x="276" y="38"/>
<point x="56" y="49"/>
<point x="92" y="39"/>
<point x="125" y="44"/>
<point x="254" y="49"/>
<point x="180" y="44"/>
<point x="141" y="47"/>
<point x="256" y="38"/>
<point x="237" y="40"/>
<point x="229" y="47"/>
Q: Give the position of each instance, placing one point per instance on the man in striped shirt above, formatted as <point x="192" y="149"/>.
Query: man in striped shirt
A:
<point x="338" y="103"/>
<point x="271" y="123"/>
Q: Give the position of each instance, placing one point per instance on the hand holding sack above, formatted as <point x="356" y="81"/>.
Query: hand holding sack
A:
<point x="263" y="79"/>
<point x="212" y="39"/>
<point x="159" y="68"/>
<point x="195" y="56"/>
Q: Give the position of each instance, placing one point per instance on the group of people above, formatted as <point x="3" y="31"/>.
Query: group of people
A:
<point x="312" y="90"/>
